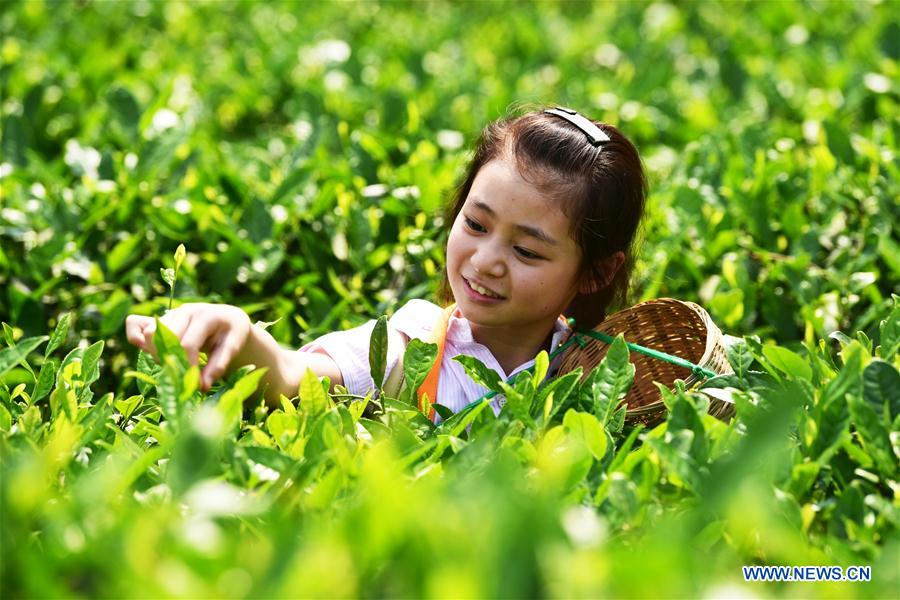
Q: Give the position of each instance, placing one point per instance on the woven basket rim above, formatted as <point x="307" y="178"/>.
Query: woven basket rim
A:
<point x="712" y="358"/>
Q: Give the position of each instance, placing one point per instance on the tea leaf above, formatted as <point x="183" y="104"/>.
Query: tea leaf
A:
<point x="417" y="362"/>
<point x="231" y="403"/>
<point x="170" y="387"/>
<point x="141" y="377"/>
<point x="8" y="335"/>
<point x="612" y="380"/>
<point x="90" y="369"/>
<point x="287" y="406"/>
<point x="479" y="372"/>
<point x="425" y="404"/>
<point x="63" y="401"/>
<point x="585" y="428"/>
<point x="881" y="389"/>
<point x="270" y="458"/>
<point x="839" y="336"/>
<point x="802" y="478"/>
<point x="313" y="399"/>
<point x="548" y="407"/>
<point x="444" y="412"/>
<point x="739" y="357"/>
<point x="788" y="362"/>
<point x="876" y="441"/>
<point x="674" y="454"/>
<point x="127" y="406"/>
<point x="148" y="370"/>
<point x="683" y="415"/>
<point x="179" y="256"/>
<point x="19" y="392"/>
<point x="518" y="403"/>
<point x="617" y="422"/>
<point x="5" y="419"/>
<point x="10" y="357"/>
<point x="10" y="341"/>
<point x="264" y="325"/>
<point x="378" y="346"/>
<point x="168" y="275"/>
<point x="832" y="414"/>
<point x="189" y="384"/>
<point x="45" y="380"/>
<point x="890" y="332"/>
<point x="541" y="364"/>
<point x="561" y="388"/>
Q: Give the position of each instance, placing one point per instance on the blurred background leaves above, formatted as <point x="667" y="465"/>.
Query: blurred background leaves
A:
<point x="302" y="152"/>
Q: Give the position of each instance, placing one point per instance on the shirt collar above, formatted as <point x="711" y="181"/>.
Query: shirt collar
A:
<point x="459" y="331"/>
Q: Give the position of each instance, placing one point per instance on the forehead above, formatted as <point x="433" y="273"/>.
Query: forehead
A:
<point x="499" y="188"/>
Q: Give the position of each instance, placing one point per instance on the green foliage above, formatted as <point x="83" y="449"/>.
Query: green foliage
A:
<point x="606" y="385"/>
<point x="378" y="347"/>
<point x="479" y="373"/>
<point x="207" y="481"/>
<point x="297" y="157"/>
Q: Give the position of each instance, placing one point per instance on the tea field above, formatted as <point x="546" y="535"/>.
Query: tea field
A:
<point x="301" y="152"/>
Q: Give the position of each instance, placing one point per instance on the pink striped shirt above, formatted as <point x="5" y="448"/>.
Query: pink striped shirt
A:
<point x="350" y="350"/>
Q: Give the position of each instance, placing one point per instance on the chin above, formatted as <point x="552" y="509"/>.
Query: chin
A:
<point x="486" y="316"/>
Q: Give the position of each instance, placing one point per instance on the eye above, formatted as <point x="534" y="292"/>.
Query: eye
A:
<point x="527" y="254"/>
<point x="474" y="225"/>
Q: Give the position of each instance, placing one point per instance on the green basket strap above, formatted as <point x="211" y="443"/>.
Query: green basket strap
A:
<point x="578" y="337"/>
<point x="669" y="358"/>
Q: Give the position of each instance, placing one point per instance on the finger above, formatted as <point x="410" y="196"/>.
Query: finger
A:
<point x="195" y="336"/>
<point x="219" y="359"/>
<point x="139" y="330"/>
<point x="134" y="329"/>
<point x="177" y="321"/>
<point x="147" y="333"/>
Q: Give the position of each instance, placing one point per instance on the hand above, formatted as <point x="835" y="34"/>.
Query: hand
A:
<point x="219" y="330"/>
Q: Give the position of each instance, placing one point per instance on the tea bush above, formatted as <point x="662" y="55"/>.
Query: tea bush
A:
<point x="301" y="154"/>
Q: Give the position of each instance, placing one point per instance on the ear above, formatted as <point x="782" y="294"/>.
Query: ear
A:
<point x="608" y="266"/>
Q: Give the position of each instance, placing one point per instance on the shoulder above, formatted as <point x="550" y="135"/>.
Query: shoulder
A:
<point x="416" y="318"/>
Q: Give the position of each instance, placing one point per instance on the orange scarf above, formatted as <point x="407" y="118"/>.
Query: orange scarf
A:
<point x="439" y="337"/>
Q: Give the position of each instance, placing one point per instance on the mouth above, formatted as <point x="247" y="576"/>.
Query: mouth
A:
<point x="480" y="292"/>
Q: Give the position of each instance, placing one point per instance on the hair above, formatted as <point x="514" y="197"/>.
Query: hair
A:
<point x="601" y="190"/>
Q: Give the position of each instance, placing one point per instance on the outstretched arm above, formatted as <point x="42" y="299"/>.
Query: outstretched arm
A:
<point x="230" y="341"/>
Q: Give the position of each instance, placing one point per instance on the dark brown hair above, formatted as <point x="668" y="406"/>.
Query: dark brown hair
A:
<point x="602" y="191"/>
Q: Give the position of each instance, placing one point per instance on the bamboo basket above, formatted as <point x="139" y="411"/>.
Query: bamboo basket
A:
<point x="675" y="327"/>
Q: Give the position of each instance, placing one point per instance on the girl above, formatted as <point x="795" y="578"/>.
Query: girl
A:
<point x="543" y="227"/>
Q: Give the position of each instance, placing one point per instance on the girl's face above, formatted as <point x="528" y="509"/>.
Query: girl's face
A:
<point x="510" y="260"/>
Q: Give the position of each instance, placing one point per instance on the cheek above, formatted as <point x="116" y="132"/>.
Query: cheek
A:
<point x="452" y="248"/>
<point x="457" y="243"/>
<point x="549" y="287"/>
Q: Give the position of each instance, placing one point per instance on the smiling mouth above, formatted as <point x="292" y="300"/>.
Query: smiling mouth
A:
<point x="482" y="290"/>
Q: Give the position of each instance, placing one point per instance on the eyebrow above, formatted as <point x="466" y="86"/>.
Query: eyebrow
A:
<point x="535" y="232"/>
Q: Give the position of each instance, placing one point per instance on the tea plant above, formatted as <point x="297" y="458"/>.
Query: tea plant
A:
<point x="310" y="192"/>
<point x="206" y="495"/>
<point x="300" y="154"/>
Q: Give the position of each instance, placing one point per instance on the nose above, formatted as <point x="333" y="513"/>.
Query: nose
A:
<point x="488" y="260"/>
